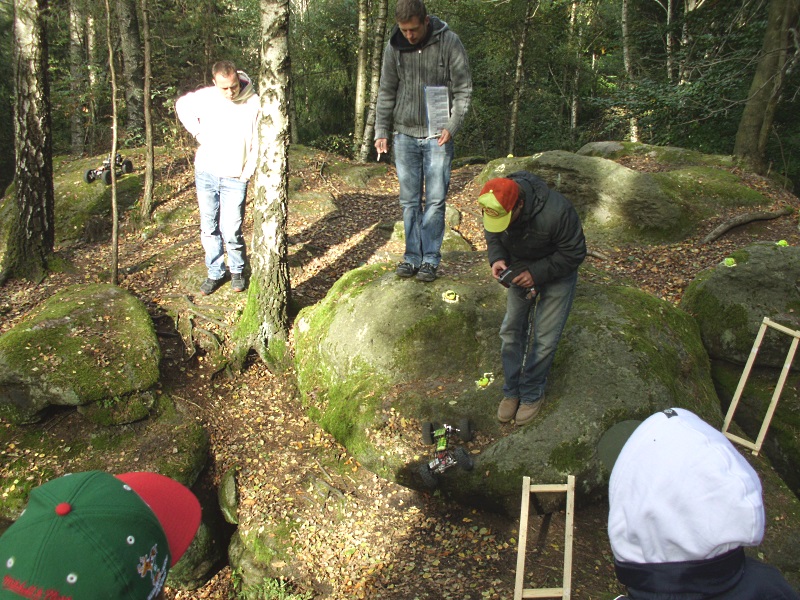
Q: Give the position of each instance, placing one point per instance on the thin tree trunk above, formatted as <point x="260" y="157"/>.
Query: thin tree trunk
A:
<point x="361" y="72"/>
<point x="633" y="132"/>
<point x="149" y="167"/>
<point x="77" y="62"/>
<point x="91" y="52"/>
<point x="265" y="323"/>
<point x="767" y="85"/>
<point x="133" y="72"/>
<point x="377" y="45"/>
<point x="114" y="208"/>
<point x="530" y="9"/>
<point x="32" y="237"/>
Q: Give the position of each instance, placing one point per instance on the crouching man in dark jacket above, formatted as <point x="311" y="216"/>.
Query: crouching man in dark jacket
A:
<point x="535" y="245"/>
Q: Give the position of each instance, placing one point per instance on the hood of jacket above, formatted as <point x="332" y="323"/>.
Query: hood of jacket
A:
<point x="435" y="28"/>
<point x="246" y="90"/>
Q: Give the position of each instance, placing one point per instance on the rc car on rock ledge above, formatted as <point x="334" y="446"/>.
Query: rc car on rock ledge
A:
<point x="122" y="166"/>
<point x="445" y="455"/>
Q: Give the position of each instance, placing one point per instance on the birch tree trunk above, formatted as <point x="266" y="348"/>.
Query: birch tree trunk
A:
<point x="264" y="325"/>
<point x="149" y="166"/>
<point x="114" y="119"/>
<point x="530" y="9"/>
<point x="32" y="235"/>
<point x="378" y="38"/>
<point x="361" y="72"/>
<point x="633" y="125"/>
<point x="77" y="78"/>
<point x="765" y="90"/>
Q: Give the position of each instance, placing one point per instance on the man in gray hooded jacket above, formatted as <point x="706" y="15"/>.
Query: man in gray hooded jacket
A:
<point x="423" y="59"/>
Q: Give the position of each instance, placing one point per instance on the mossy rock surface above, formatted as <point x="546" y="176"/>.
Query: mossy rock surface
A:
<point x="379" y="350"/>
<point x="620" y="205"/>
<point x="731" y="302"/>
<point x="88" y="343"/>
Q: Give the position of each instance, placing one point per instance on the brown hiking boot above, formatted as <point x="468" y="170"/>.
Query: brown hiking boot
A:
<point x="507" y="409"/>
<point x="526" y="412"/>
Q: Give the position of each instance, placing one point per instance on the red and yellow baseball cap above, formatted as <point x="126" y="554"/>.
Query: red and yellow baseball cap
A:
<point x="498" y="198"/>
<point x="93" y="535"/>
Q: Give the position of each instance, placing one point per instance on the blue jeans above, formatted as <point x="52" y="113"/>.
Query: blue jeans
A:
<point x="530" y="333"/>
<point x="221" y="201"/>
<point x="423" y="162"/>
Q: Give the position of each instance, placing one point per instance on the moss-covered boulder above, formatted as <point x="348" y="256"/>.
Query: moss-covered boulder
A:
<point x="86" y="344"/>
<point x="731" y="300"/>
<point x="379" y="351"/>
<point x="618" y="204"/>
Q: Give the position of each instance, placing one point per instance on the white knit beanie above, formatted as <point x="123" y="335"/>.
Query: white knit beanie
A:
<point x="680" y="491"/>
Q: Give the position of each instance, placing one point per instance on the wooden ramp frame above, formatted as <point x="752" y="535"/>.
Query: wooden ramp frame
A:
<point x="756" y="447"/>
<point x="527" y="489"/>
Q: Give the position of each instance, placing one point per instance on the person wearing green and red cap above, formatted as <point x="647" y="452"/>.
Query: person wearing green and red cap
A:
<point x="535" y="233"/>
<point x="91" y="536"/>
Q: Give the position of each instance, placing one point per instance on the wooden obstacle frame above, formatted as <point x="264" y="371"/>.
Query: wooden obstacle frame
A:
<point x="755" y="447"/>
<point x="564" y="591"/>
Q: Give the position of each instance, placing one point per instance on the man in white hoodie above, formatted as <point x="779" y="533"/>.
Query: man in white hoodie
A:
<point x="683" y="504"/>
<point x="223" y="118"/>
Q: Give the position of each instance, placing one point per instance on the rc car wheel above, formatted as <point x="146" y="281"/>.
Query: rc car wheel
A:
<point x="464" y="430"/>
<point x="428" y="478"/>
<point x="88" y="176"/>
<point x="463" y="459"/>
<point x="107" y="177"/>
<point x="427" y="432"/>
<point x="127" y="166"/>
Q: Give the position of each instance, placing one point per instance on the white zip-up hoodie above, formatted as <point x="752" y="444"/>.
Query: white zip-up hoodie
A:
<point x="225" y="129"/>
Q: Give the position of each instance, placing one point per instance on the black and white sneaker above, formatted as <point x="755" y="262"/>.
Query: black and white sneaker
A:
<point x="405" y="269"/>
<point x="427" y="272"/>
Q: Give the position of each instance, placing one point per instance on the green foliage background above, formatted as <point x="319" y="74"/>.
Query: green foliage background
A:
<point x="696" y="105"/>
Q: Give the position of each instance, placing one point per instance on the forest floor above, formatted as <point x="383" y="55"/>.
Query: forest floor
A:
<point x="373" y="539"/>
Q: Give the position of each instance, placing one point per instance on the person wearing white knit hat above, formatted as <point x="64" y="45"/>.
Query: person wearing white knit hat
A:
<point x="683" y="504"/>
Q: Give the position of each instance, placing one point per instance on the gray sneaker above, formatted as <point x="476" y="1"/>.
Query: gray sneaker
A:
<point x="209" y="286"/>
<point x="405" y="270"/>
<point x="427" y="272"/>
<point x="237" y="282"/>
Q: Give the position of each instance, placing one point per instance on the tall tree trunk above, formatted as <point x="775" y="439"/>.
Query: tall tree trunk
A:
<point x="633" y="132"/>
<point x="32" y="238"/>
<point x="114" y="120"/>
<point x="132" y="69"/>
<point x="378" y="38"/>
<point x="767" y="85"/>
<point x="361" y="72"/>
<point x="530" y="9"/>
<point x="94" y="82"/>
<point x="264" y="326"/>
<point x="77" y="78"/>
<point x="149" y="166"/>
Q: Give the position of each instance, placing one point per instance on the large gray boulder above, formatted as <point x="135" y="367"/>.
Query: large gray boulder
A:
<point x="731" y="300"/>
<point x="618" y="204"/>
<point x="379" y="352"/>
<point x="86" y="344"/>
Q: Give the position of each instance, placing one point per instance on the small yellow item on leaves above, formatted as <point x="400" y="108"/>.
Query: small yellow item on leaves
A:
<point x="450" y="296"/>
<point x="782" y="243"/>
<point x="729" y="262"/>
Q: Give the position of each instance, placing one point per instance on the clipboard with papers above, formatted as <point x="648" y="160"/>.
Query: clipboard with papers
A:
<point x="437" y="109"/>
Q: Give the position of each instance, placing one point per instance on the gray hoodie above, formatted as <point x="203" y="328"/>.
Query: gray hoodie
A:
<point x="439" y="60"/>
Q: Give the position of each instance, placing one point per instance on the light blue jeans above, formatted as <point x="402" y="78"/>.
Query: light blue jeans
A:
<point x="530" y="333"/>
<point x="423" y="165"/>
<point x="221" y="201"/>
